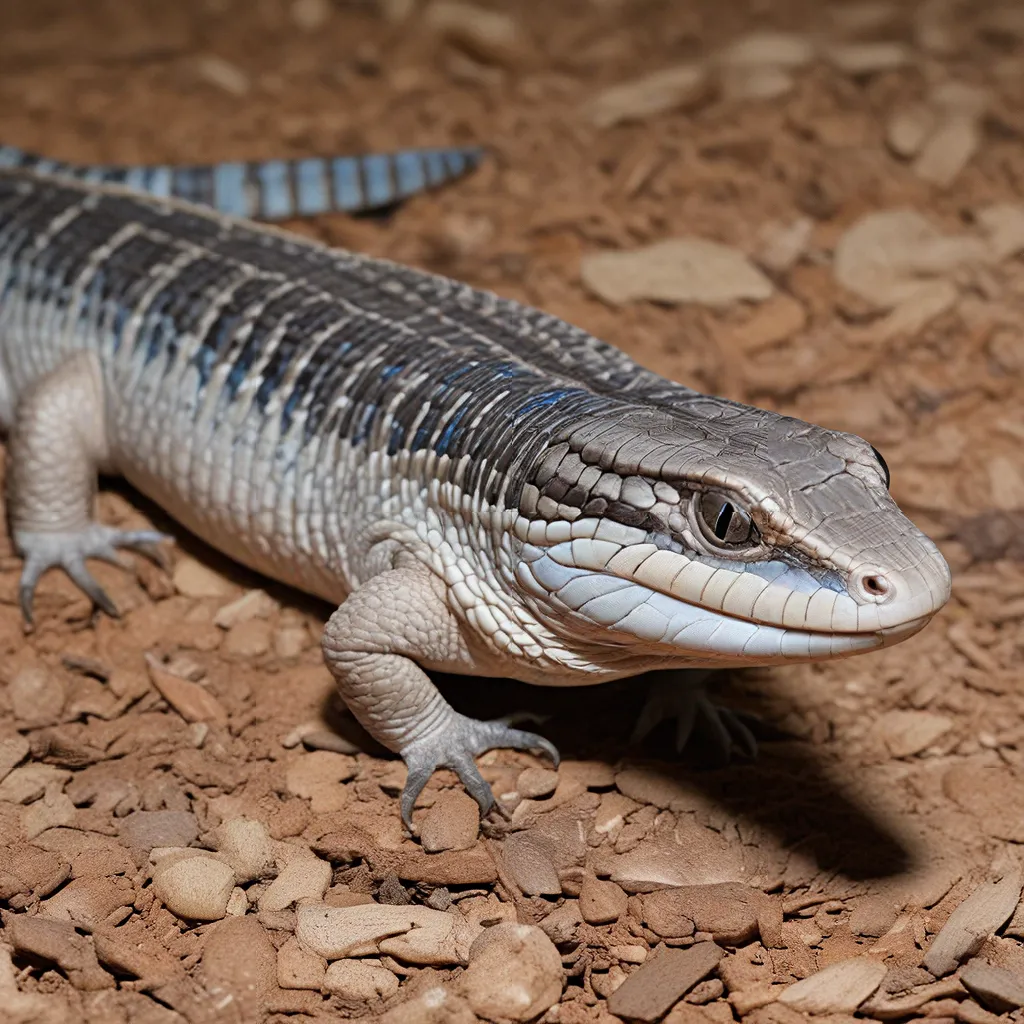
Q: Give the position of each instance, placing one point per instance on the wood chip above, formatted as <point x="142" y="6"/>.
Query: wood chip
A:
<point x="985" y="910"/>
<point x="948" y="150"/>
<point x="679" y="88"/>
<point x="860" y="59"/>
<point x="906" y="733"/>
<point x="775" y="49"/>
<point x="1000" y="990"/>
<point x="490" y="36"/>
<point x="677" y="270"/>
<point x="840" y="988"/>
<point x="908" y="129"/>
<point x="190" y="700"/>
<point x="649" y="992"/>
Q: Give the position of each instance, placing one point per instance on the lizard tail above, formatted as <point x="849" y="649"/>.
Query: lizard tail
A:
<point x="275" y="190"/>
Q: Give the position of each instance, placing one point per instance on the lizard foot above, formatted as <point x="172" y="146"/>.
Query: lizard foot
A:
<point x="69" y="551"/>
<point x="683" y="696"/>
<point x="454" y="747"/>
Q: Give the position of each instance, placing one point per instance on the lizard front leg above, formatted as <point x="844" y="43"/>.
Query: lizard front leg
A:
<point x="58" y="445"/>
<point x="375" y="645"/>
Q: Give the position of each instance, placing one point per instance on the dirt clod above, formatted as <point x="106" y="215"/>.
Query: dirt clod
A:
<point x="648" y="993"/>
<point x="514" y="973"/>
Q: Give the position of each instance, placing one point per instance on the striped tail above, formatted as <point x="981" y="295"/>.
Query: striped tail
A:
<point x="273" y="190"/>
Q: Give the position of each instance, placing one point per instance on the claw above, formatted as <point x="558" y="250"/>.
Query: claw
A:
<point x="86" y="582"/>
<point x="69" y="551"/>
<point x="455" y="747"/>
<point x="682" y="696"/>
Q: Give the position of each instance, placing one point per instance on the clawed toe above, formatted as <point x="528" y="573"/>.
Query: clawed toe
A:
<point x="682" y="697"/>
<point x="69" y="551"/>
<point x="454" y="748"/>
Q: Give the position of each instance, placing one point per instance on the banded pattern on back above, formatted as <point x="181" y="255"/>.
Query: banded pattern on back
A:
<point x="224" y="341"/>
<point x="275" y="190"/>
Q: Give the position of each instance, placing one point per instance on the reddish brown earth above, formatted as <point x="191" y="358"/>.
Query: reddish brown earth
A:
<point x="888" y="800"/>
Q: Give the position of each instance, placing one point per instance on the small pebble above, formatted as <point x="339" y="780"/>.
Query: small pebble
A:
<point x="987" y="908"/>
<point x="37" y="696"/>
<point x="30" y="782"/>
<point x="192" y="579"/>
<point x="304" y="878"/>
<point x="451" y="823"/>
<point x="528" y="860"/>
<point x="317" y="777"/>
<point x="601" y="902"/>
<point x="678" y="88"/>
<point x="193" y="702"/>
<point x="534" y="783"/>
<point x="678" y="270"/>
<point x="868" y="58"/>
<point x="253" y="604"/>
<point x="776" y="49"/>
<point x="146" y="830"/>
<point x="662" y="980"/>
<point x="310" y="15"/>
<point x="53" y="811"/>
<point x="238" y="903"/>
<point x="247" y="848"/>
<point x="948" y="150"/>
<point x="13" y="750"/>
<point x="239" y="965"/>
<point x="490" y="36"/>
<point x="298" y="967"/>
<point x="196" y="888"/>
<point x="360" y="980"/>
<point x="248" y="639"/>
<point x="515" y="973"/>
<point x="838" y="988"/>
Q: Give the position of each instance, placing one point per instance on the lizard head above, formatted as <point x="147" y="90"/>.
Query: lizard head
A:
<point x="724" y="534"/>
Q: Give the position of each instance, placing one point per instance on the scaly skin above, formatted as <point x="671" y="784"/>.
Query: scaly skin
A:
<point x="481" y="488"/>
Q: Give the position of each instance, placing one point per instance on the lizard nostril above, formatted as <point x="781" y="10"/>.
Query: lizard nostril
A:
<point x="872" y="586"/>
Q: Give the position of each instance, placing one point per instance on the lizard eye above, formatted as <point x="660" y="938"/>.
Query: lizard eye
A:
<point x="882" y="463"/>
<point x="724" y="522"/>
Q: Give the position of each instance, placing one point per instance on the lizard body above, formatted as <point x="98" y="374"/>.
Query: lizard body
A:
<point x="480" y="487"/>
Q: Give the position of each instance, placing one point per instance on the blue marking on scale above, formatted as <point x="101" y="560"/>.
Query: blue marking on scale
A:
<point x="363" y="430"/>
<point x="456" y="161"/>
<point x="187" y="182"/>
<point x="449" y="433"/>
<point x="389" y="371"/>
<point x="289" y="410"/>
<point x="311" y="186"/>
<point x="378" y="180"/>
<point x="94" y="175"/>
<point x="137" y="178"/>
<point x="434" y="162"/>
<point x="44" y="166"/>
<point x="347" y="193"/>
<point x="409" y="171"/>
<point x="275" y="202"/>
<point x="160" y="180"/>
<point x="229" y="194"/>
<point x="546" y="398"/>
<point x="10" y="156"/>
<point x="396" y="438"/>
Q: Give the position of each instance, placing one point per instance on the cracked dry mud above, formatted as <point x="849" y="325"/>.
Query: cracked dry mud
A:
<point x="191" y="830"/>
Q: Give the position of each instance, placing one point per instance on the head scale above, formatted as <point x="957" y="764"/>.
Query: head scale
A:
<point x="718" y="534"/>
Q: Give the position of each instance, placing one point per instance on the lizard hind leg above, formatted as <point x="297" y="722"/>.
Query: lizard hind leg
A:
<point x="58" y="444"/>
<point x="680" y="695"/>
<point x="373" y="645"/>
